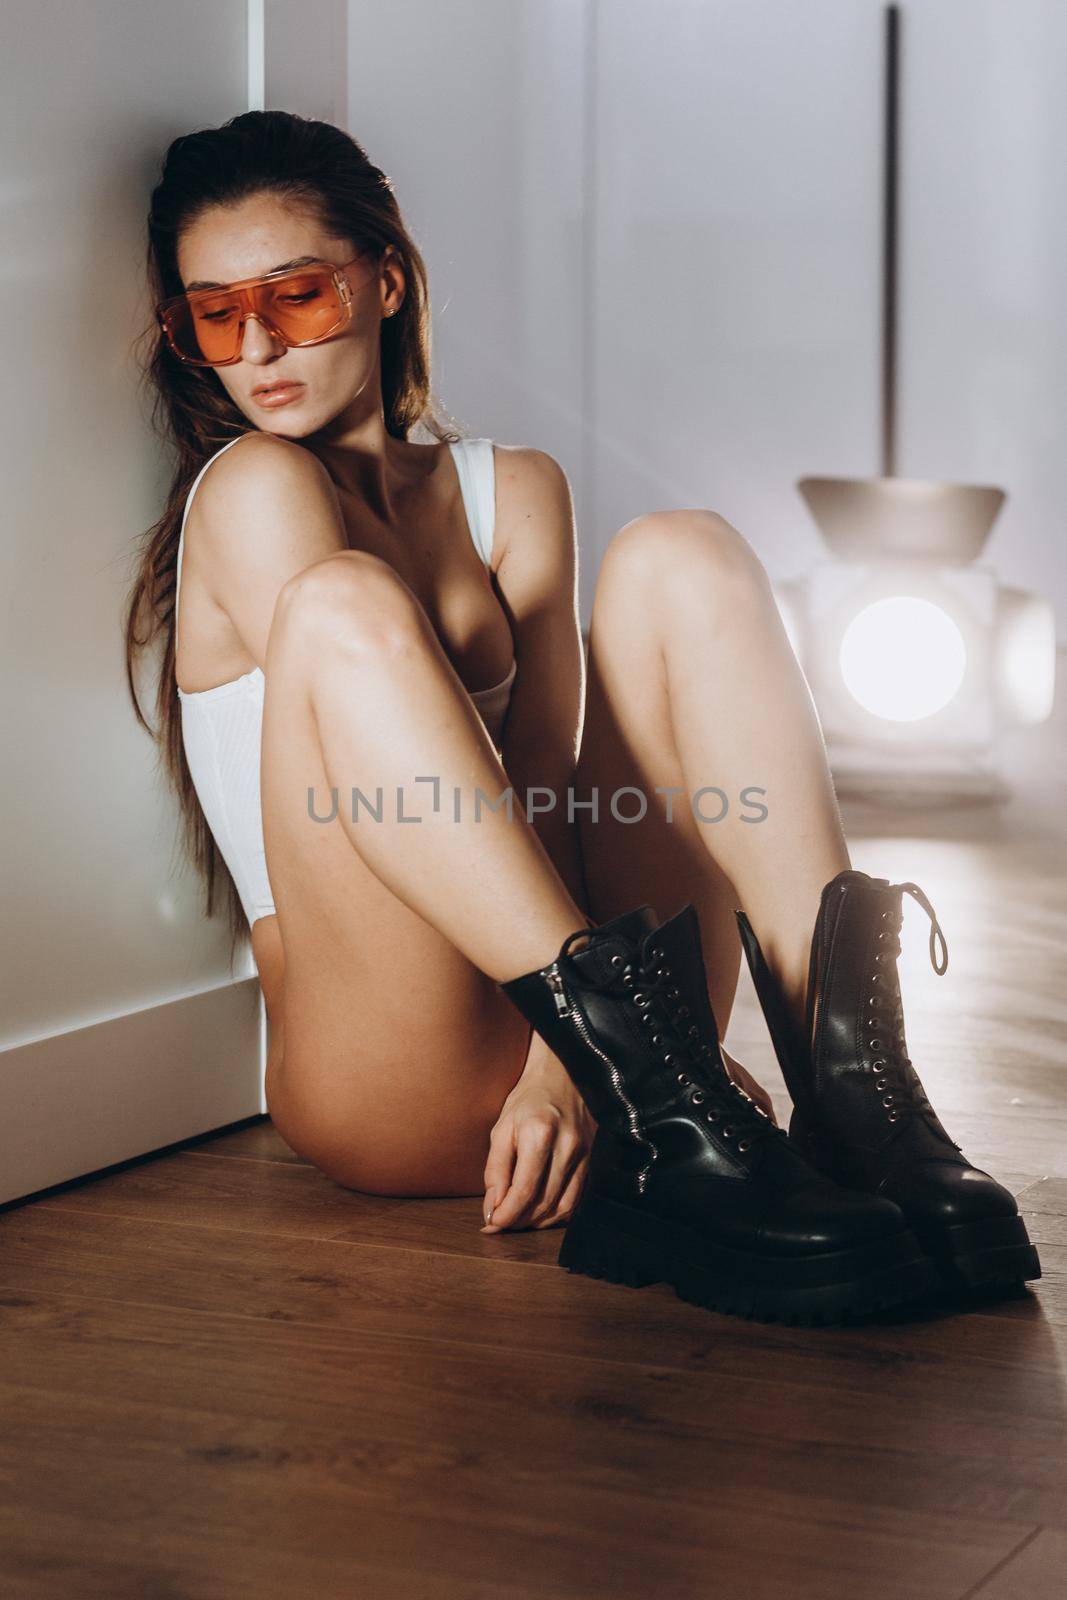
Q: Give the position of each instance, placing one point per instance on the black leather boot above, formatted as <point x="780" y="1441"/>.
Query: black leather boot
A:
<point x="689" y="1182"/>
<point x="861" y="1113"/>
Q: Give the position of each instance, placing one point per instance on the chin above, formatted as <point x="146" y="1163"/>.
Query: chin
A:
<point x="287" y="427"/>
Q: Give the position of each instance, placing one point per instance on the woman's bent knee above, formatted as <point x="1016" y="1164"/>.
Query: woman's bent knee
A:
<point x="681" y="549"/>
<point x="352" y="596"/>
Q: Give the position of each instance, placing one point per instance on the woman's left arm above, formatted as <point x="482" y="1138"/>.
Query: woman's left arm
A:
<point x="537" y="581"/>
<point x="538" y="1152"/>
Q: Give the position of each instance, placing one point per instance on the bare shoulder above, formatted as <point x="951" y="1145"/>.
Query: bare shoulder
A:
<point x="534" y="509"/>
<point x="258" y="467"/>
<point x="265" y="492"/>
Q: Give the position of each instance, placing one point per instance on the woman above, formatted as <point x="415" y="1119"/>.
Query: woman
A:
<point x="363" y="612"/>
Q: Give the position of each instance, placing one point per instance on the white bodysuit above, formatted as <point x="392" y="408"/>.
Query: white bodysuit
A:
<point x="221" y="727"/>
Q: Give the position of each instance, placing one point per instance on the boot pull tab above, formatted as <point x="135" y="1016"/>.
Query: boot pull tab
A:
<point x="936" y="931"/>
<point x="579" y="933"/>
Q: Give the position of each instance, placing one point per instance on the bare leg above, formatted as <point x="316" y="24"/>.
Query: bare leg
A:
<point x="693" y="682"/>
<point x="393" y="719"/>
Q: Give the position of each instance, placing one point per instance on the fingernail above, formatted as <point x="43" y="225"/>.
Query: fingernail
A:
<point x="490" y="1202"/>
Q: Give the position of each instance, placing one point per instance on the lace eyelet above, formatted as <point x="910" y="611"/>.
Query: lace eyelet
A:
<point x="887" y="1100"/>
<point x="657" y="1038"/>
<point x="628" y="980"/>
<point x="683" y="1011"/>
<point x="669" y="1059"/>
<point x="894" y="1116"/>
<point x="639" y="998"/>
<point x="692" y="1031"/>
<point x="875" y="1044"/>
<point x="727" y="1131"/>
<point x="712" y="1116"/>
<point x="674" y="993"/>
<point x="663" y="972"/>
<point x="698" y="1097"/>
<point x="680" y="1077"/>
<point x="744" y="1144"/>
<point x="654" y="953"/>
<point x="617" y="960"/>
<point x="881" y="1083"/>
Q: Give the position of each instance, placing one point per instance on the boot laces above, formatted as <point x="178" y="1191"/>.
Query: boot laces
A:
<point x="896" y="1077"/>
<point x="697" y="1064"/>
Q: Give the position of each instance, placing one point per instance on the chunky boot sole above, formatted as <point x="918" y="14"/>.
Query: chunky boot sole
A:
<point x="983" y="1254"/>
<point x="616" y="1242"/>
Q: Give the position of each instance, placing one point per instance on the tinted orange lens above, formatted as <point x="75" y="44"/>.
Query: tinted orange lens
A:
<point x="303" y="306"/>
<point x="206" y="326"/>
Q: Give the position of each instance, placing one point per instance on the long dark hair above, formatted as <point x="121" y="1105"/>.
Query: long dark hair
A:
<point x="314" y="165"/>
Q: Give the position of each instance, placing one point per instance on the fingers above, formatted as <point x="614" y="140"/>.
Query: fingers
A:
<point x="535" y="1139"/>
<point x="566" y="1155"/>
<point x="500" y="1165"/>
<point x="553" y="1196"/>
<point x="568" y="1199"/>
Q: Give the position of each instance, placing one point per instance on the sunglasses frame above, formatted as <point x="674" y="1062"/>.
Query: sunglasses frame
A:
<point x="242" y="288"/>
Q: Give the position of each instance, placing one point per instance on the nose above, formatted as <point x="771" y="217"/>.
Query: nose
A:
<point x="258" y="344"/>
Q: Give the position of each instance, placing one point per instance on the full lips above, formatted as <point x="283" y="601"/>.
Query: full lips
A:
<point x="281" y="396"/>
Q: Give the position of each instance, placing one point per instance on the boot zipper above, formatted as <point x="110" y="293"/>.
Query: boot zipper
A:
<point x="555" y="983"/>
<point x="564" y="1009"/>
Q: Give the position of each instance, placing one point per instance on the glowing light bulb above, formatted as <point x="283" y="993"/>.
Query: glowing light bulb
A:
<point x="903" y="658"/>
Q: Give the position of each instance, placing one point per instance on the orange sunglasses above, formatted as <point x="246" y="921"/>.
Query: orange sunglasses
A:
<point x="300" y="306"/>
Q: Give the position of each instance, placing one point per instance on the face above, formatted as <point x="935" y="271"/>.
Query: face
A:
<point x="339" y="378"/>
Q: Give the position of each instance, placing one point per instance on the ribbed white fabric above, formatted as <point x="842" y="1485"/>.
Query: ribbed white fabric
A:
<point x="222" y="727"/>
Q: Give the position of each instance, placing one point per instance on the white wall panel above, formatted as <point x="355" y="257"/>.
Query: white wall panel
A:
<point x="736" y="254"/>
<point x="97" y="925"/>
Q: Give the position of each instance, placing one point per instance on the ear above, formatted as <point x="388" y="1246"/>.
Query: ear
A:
<point x="394" y="285"/>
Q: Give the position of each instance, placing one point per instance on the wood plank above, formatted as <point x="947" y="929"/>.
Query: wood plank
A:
<point x="401" y="1460"/>
<point x="1038" y="1568"/>
<point x="979" y="1404"/>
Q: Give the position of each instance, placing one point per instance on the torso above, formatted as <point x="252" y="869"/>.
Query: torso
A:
<point x="436" y="558"/>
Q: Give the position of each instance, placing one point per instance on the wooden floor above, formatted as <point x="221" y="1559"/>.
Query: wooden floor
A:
<point x="221" y="1375"/>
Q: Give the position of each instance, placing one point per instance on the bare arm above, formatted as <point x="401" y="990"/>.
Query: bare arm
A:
<point x="537" y="576"/>
<point x="265" y="511"/>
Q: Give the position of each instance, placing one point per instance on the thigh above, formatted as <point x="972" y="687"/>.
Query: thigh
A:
<point x="628" y="743"/>
<point x="398" y="1052"/>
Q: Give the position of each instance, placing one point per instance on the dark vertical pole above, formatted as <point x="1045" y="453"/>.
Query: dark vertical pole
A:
<point x="889" y="241"/>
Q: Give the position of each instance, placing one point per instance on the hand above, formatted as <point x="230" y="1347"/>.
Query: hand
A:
<point x="747" y="1082"/>
<point x="539" y="1147"/>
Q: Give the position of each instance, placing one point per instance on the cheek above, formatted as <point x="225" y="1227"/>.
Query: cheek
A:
<point x="347" y="361"/>
<point x="231" y="388"/>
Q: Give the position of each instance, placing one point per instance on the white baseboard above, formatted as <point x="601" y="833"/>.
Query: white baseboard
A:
<point x="86" y="1099"/>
